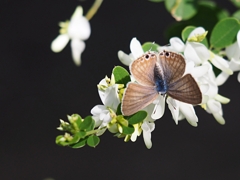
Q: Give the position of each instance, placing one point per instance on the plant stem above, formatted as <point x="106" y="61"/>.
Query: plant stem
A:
<point x="93" y="9"/>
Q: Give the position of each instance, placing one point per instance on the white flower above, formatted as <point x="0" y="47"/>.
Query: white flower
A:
<point x="110" y="99"/>
<point x="213" y="101"/>
<point x="147" y="128"/>
<point x="136" y="52"/>
<point x="233" y="53"/>
<point x="77" y="30"/>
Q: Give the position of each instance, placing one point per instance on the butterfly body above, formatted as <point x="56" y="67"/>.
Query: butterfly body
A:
<point x="159" y="73"/>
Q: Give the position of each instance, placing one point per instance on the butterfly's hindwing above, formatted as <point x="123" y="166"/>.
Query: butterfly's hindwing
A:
<point x="137" y="97"/>
<point x="186" y="90"/>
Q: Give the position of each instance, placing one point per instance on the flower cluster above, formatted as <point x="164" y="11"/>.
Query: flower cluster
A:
<point x="200" y="63"/>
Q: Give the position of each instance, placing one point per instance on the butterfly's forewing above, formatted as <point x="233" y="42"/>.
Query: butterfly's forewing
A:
<point x="137" y="97"/>
<point x="186" y="90"/>
<point x="173" y="65"/>
<point x="142" y="69"/>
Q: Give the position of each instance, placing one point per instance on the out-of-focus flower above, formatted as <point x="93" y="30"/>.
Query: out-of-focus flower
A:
<point x="77" y="30"/>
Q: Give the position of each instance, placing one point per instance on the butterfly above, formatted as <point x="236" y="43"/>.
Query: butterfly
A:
<point x="159" y="73"/>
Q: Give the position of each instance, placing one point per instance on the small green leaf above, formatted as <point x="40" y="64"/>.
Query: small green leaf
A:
<point x="181" y="10"/>
<point x="81" y="134"/>
<point x="86" y="124"/>
<point x="75" y="139"/>
<point x="80" y="144"/>
<point x="149" y="46"/>
<point x="128" y="129"/>
<point x="186" y="32"/>
<point x="224" y="33"/>
<point x="237" y="14"/>
<point x="137" y="117"/>
<point x="93" y="141"/>
<point x="121" y="75"/>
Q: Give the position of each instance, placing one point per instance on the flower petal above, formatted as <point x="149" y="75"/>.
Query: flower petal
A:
<point x="136" y="48"/>
<point x="177" y="44"/>
<point x="124" y="58"/>
<point x="188" y="111"/>
<point x="147" y="129"/>
<point x="222" y="78"/>
<point x="59" y="43"/>
<point x="220" y="63"/>
<point x="78" y="47"/>
<point x="233" y="51"/>
<point x="222" y="99"/>
<point x="196" y="52"/>
<point x="173" y="106"/>
<point x="197" y="31"/>
<point x="159" y="108"/>
<point x="219" y="118"/>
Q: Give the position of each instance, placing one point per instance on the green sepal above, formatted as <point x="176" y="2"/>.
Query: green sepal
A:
<point x="87" y="124"/>
<point x="121" y="75"/>
<point x="93" y="140"/>
<point x="224" y="33"/>
<point x="80" y="144"/>
<point x="149" y="46"/>
<point x="137" y="117"/>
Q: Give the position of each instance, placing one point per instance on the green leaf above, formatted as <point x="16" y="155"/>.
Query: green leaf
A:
<point x="208" y="15"/>
<point x="93" y="141"/>
<point x="237" y="14"/>
<point x="149" y="46"/>
<point x="236" y="3"/>
<point x="137" y="117"/>
<point x="81" y="134"/>
<point x="119" y="111"/>
<point x="80" y="144"/>
<point x="86" y="124"/>
<point x="186" y="32"/>
<point x="181" y="9"/>
<point x="224" y="33"/>
<point x="75" y="139"/>
<point x="121" y="75"/>
<point x="128" y="129"/>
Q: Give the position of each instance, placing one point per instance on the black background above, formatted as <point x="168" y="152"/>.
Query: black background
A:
<point x="38" y="87"/>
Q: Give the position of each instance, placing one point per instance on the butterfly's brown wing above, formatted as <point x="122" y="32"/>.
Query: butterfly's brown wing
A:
<point x="137" y="97"/>
<point x="173" y="65"/>
<point x="142" y="69"/>
<point x="186" y="90"/>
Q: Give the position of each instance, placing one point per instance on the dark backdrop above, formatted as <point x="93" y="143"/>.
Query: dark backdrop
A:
<point x="38" y="87"/>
